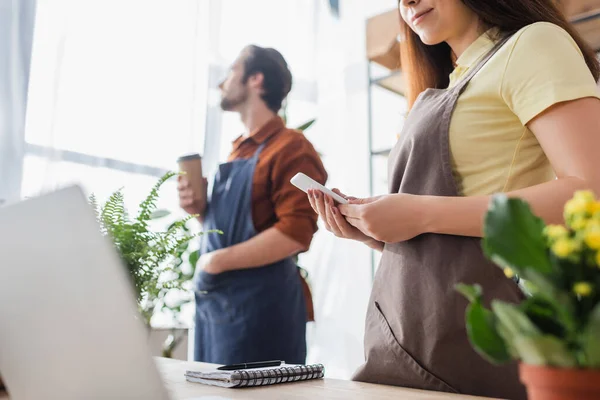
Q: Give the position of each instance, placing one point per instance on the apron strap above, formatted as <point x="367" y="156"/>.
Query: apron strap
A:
<point x="474" y="70"/>
<point x="260" y="149"/>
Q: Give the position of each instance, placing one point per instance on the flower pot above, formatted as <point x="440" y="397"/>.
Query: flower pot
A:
<point x="545" y="383"/>
<point x="169" y="342"/>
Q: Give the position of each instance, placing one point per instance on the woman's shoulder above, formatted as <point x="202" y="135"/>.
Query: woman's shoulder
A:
<point x="542" y="27"/>
<point x="543" y="36"/>
<point x="544" y="66"/>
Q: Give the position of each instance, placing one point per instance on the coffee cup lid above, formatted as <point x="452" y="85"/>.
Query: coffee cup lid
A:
<point x="188" y="157"/>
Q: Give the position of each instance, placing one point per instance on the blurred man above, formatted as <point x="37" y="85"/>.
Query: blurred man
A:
<point x="249" y="295"/>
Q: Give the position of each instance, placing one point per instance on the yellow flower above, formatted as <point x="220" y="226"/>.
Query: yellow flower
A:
<point x="575" y="207"/>
<point x="509" y="272"/>
<point x="593" y="225"/>
<point x="564" y="247"/>
<point x="594" y="208"/>
<point x="555" y="231"/>
<point x="583" y="289"/>
<point x="592" y="239"/>
<point x="584" y="195"/>
<point x="579" y="223"/>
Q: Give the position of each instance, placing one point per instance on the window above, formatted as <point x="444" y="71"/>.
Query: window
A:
<point x="117" y="93"/>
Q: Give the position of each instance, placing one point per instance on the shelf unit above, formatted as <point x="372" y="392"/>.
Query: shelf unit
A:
<point x="383" y="49"/>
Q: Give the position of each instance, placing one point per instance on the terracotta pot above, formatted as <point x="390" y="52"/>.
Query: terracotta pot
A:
<point x="544" y="383"/>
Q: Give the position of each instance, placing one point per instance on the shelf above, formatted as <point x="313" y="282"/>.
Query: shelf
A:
<point x="394" y="82"/>
<point x="585" y="17"/>
<point x="573" y="8"/>
<point x="588" y="26"/>
<point x="382" y="32"/>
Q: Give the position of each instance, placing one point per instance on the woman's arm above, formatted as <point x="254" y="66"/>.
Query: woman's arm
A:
<point x="569" y="134"/>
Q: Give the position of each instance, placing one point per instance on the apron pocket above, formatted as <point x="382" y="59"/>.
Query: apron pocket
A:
<point x="213" y="299"/>
<point x="209" y="280"/>
<point x="206" y="283"/>
<point x="214" y="307"/>
<point x="427" y="379"/>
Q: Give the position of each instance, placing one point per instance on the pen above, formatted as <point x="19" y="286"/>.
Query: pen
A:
<point x="260" y="364"/>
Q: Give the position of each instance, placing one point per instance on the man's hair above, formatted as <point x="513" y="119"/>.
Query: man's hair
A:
<point x="277" y="80"/>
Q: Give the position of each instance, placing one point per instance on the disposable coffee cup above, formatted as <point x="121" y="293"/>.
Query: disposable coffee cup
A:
<point x="191" y="164"/>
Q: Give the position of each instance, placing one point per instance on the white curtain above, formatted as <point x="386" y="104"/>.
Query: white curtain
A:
<point x="16" y="35"/>
<point x="117" y="94"/>
<point x="120" y="88"/>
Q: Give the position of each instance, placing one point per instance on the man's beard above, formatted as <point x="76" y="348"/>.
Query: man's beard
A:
<point x="231" y="103"/>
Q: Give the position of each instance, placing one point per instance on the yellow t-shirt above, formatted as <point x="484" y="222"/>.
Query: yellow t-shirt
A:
<point x="491" y="147"/>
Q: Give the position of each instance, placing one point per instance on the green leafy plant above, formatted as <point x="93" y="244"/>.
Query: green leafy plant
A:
<point x="171" y="301"/>
<point x="558" y="323"/>
<point x="150" y="256"/>
<point x="306" y="125"/>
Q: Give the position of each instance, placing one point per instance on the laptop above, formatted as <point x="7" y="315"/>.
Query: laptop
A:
<point x="69" y="325"/>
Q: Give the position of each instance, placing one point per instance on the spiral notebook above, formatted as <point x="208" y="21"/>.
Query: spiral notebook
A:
<point x="256" y="377"/>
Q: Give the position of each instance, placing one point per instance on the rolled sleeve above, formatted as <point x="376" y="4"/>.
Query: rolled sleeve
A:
<point x="295" y="217"/>
<point x="301" y="228"/>
<point x="545" y="67"/>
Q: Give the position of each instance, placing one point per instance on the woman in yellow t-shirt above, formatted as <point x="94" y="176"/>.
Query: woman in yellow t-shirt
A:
<point x="517" y="112"/>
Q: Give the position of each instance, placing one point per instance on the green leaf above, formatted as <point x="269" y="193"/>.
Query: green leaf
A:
<point x="156" y="214"/>
<point x="306" y="125"/>
<point x="193" y="258"/>
<point x="178" y="225"/>
<point x="561" y="302"/>
<point x="526" y="340"/>
<point x="483" y="335"/>
<point x="149" y="203"/>
<point x="182" y="248"/>
<point x="543" y="315"/>
<point x="503" y="332"/>
<point x="513" y="236"/>
<point x="514" y="320"/>
<point x="471" y="292"/>
<point x="544" y="350"/>
<point x="591" y="339"/>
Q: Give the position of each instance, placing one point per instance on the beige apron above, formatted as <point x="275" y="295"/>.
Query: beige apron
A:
<point x="415" y="333"/>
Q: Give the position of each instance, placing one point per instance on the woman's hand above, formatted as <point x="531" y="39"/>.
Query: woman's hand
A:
<point x="390" y="218"/>
<point x="334" y="220"/>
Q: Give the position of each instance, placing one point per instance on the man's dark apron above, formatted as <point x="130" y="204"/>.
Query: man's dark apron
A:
<point x="254" y="314"/>
<point x="415" y="333"/>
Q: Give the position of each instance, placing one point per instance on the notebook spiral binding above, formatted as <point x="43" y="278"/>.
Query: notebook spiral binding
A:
<point x="280" y="375"/>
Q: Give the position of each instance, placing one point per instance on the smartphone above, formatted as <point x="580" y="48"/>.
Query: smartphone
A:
<point x="303" y="182"/>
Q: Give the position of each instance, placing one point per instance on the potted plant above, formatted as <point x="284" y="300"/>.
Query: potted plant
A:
<point x="149" y="256"/>
<point x="555" y="331"/>
<point x="171" y="301"/>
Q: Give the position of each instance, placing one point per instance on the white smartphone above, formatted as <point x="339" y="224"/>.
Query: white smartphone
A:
<point x="303" y="182"/>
